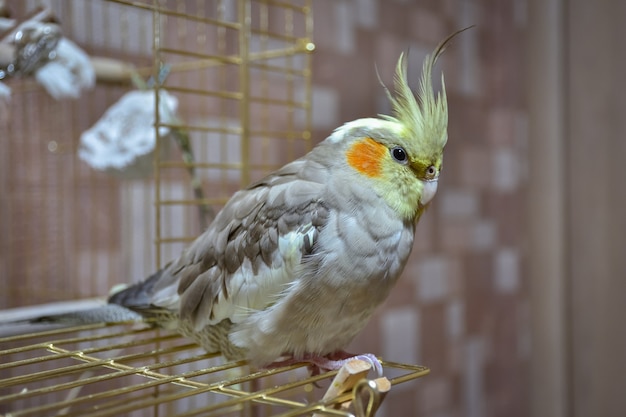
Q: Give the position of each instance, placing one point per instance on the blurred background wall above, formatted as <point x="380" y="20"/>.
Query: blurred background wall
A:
<point x="515" y="291"/>
<point x="577" y="234"/>
<point x="462" y="306"/>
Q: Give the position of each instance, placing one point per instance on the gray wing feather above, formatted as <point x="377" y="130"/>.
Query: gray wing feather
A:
<point x="243" y="260"/>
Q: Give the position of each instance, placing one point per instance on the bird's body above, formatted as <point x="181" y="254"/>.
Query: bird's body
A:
<point x="295" y="264"/>
<point x="275" y="270"/>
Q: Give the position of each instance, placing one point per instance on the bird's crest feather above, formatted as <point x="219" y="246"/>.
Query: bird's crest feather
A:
<point x="430" y="110"/>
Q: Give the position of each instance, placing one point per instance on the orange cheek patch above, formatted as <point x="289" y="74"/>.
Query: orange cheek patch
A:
<point x="366" y="156"/>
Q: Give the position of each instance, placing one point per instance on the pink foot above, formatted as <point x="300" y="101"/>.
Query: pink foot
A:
<point x="336" y="360"/>
<point x="330" y="362"/>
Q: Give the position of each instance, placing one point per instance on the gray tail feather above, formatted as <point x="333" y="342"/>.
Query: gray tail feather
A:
<point x="123" y="306"/>
<point x="34" y="319"/>
<point x="108" y="313"/>
<point x="137" y="296"/>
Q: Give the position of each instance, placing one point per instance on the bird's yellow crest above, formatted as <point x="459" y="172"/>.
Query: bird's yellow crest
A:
<point x="427" y="113"/>
<point x="401" y="154"/>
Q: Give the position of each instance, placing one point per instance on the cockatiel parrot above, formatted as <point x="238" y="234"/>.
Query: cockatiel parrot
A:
<point x="294" y="265"/>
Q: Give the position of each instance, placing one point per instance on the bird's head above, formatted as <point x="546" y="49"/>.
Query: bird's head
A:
<point x="400" y="156"/>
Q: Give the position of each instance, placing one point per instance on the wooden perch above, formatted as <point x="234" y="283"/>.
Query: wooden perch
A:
<point x="112" y="70"/>
<point x="349" y="374"/>
<point x="106" y="69"/>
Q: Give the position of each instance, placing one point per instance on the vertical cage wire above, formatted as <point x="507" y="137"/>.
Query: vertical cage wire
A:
<point x="251" y="110"/>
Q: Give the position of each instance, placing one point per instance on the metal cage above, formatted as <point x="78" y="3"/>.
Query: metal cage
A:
<point x="112" y="370"/>
<point x="241" y="70"/>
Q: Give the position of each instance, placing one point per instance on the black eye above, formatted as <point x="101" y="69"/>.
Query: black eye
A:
<point x="399" y="154"/>
<point x="431" y="171"/>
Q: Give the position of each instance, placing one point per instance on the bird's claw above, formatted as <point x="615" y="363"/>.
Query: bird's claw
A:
<point x="335" y="361"/>
<point x="332" y="362"/>
<point x="373" y="360"/>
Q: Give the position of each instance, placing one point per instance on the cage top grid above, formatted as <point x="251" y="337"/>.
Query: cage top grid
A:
<point x="120" y="369"/>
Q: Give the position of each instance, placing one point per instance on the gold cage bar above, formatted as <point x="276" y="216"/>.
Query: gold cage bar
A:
<point x="114" y="369"/>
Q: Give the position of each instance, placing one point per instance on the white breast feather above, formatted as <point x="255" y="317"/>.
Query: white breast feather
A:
<point x="248" y="293"/>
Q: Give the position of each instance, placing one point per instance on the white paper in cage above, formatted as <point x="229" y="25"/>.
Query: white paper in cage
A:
<point x="126" y="130"/>
<point x="69" y="73"/>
